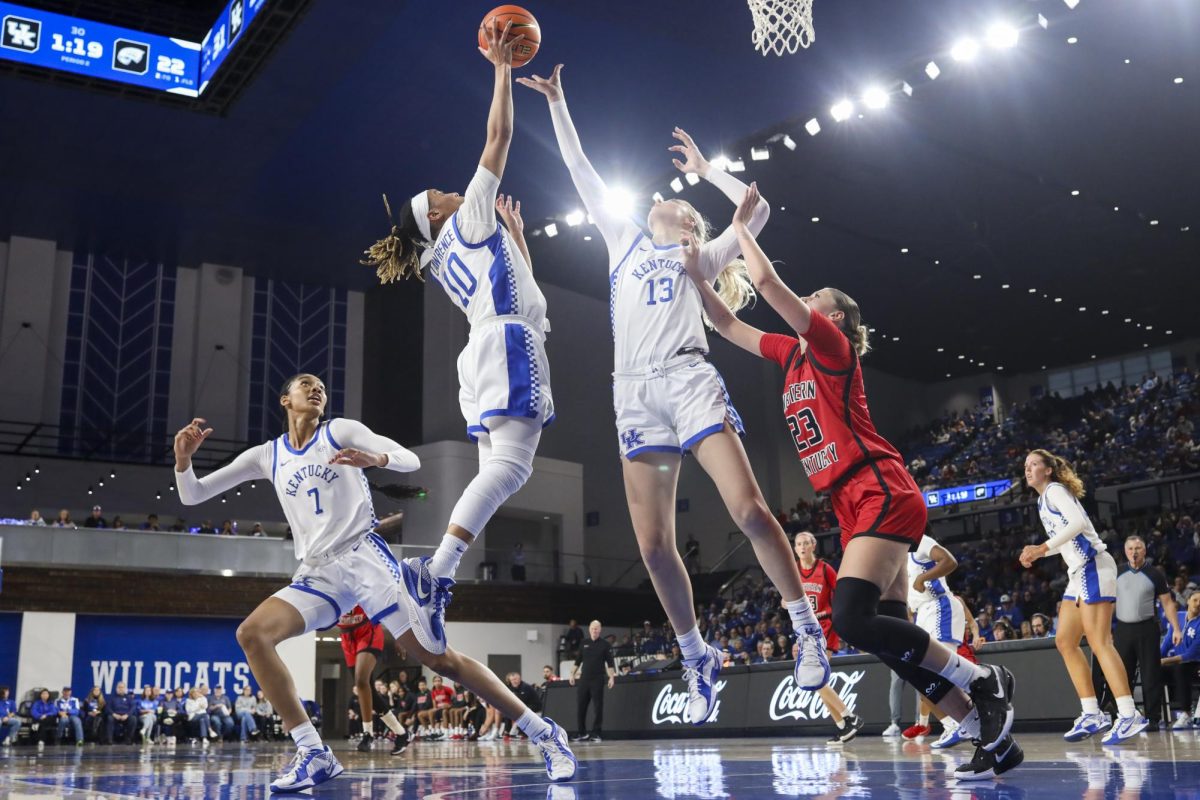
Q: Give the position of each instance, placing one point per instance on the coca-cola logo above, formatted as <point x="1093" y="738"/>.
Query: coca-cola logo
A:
<point x="790" y="702"/>
<point x="671" y="706"/>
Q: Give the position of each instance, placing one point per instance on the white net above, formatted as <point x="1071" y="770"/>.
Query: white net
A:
<point x="781" y="26"/>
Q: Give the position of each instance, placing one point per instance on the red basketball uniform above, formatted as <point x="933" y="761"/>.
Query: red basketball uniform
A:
<point x="818" y="588"/>
<point x="826" y="410"/>
<point x="359" y="635"/>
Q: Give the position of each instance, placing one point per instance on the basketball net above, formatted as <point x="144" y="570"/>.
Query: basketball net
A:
<point x="781" y="26"/>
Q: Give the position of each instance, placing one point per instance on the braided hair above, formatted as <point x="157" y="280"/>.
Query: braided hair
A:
<point x="398" y="255"/>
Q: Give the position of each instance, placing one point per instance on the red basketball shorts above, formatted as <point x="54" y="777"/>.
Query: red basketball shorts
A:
<point x="366" y="638"/>
<point x="881" y="499"/>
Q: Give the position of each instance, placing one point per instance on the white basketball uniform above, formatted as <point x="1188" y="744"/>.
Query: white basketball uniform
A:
<point x="666" y="394"/>
<point x="936" y="610"/>
<point x="1091" y="570"/>
<point x="328" y="506"/>
<point x="503" y="370"/>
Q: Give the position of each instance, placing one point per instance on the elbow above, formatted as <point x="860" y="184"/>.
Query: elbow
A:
<point x="762" y="212"/>
<point x="500" y="132"/>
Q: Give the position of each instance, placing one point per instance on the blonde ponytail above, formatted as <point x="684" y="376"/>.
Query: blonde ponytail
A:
<point x="734" y="286"/>
<point x="1062" y="472"/>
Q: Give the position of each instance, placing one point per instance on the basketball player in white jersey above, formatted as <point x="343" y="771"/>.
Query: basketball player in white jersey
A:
<point x="317" y="468"/>
<point x="1087" y="607"/>
<point x="504" y="378"/>
<point x="670" y="400"/>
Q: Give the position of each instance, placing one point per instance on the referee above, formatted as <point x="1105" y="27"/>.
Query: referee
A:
<point x="1137" y="635"/>
<point x="595" y="662"/>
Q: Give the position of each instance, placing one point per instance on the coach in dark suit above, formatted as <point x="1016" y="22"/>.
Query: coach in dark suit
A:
<point x="595" y="669"/>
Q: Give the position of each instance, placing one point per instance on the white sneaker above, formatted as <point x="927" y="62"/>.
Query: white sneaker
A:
<point x="1125" y="728"/>
<point x="892" y="730"/>
<point x="701" y="677"/>
<point x="560" y="761"/>
<point x="1182" y="721"/>
<point x="951" y="735"/>
<point x="429" y="596"/>
<point x="41" y="745"/>
<point x="204" y="742"/>
<point x="308" y="768"/>
<point x="812" y="668"/>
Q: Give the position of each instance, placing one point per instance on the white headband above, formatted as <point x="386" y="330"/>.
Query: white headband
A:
<point x="420" y="210"/>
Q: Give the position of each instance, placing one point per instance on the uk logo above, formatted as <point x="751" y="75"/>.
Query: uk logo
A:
<point x="632" y="438"/>
<point x="19" y="33"/>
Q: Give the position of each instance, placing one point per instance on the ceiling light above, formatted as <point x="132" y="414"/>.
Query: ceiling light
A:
<point x="587" y="238"/>
<point x="965" y="49"/>
<point x="816" y="219"/>
<point x="1033" y="291"/>
<point x="1116" y="208"/>
<point x="1104" y="312"/>
<point x="1004" y="286"/>
<point x="1178" y="80"/>
<point x="1127" y="319"/>
<point x="1072" y="40"/>
<point x="759" y="153"/>
<point x="875" y="97"/>
<point x="1071" y="4"/>
<point x="1001" y="35"/>
<point x="1149" y="327"/>
<point x="895" y="338"/>
<point x="960" y="358"/>
<point x="657" y="197"/>
<point x="947" y="374"/>
<point x="932" y="70"/>
<point x="676" y="184"/>
<point x="737" y="166"/>
<point x="551" y="230"/>
<point x="977" y="277"/>
<point x="1083" y="308"/>
<point x="1058" y="299"/>
<point x="576" y="217"/>
<point x="1043" y="22"/>
<point x="906" y="87"/>
<point x="692" y="178"/>
<point x="1074" y="193"/>
<point x="903" y="249"/>
<point x="1168" y="333"/>
<point x="941" y="349"/>
<point x="813" y="126"/>
<point x="720" y="162"/>
<point x="841" y="110"/>
<point x="1127" y="61"/>
<point x="790" y="143"/>
<point x="1153" y="222"/>
<point x="999" y="368"/>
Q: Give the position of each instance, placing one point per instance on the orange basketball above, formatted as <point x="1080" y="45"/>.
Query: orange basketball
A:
<point x="522" y="23"/>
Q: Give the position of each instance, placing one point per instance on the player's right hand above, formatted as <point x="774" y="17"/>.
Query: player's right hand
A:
<point x="551" y="87"/>
<point x="189" y="438"/>
<point x="691" y="255"/>
<point x="745" y="210"/>
<point x="500" y="48"/>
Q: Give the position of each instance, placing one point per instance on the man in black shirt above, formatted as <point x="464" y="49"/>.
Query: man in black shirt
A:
<point x="573" y="639"/>
<point x="595" y="668"/>
<point x="95" y="520"/>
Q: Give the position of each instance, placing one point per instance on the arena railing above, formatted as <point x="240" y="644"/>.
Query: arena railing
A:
<point x="82" y="443"/>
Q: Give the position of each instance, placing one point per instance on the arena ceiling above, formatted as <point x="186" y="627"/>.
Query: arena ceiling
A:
<point x="973" y="175"/>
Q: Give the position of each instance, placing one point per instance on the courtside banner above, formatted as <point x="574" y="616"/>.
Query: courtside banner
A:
<point x="157" y="651"/>
<point x="10" y="640"/>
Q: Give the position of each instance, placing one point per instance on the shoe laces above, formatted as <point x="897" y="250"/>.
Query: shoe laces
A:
<point x="810" y="651"/>
<point x="294" y="765"/>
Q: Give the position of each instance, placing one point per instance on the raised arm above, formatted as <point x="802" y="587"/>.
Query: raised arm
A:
<point x="359" y="447"/>
<point x="499" y="51"/>
<point x="723" y="320"/>
<point x="510" y="211"/>
<point x="762" y="272"/>
<point x="248" y="466"/>
<point x="588" y="183"/>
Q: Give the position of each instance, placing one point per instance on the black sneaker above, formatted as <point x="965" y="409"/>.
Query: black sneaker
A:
<point x="400" y="745"/>
<point x="992" y="696"/>
<point x="364" y="744"/>
<point x="985" y="765"/>
<point x="595" y="737"/>
<point x="854" y="724"/>
<point x="583" y="737"/>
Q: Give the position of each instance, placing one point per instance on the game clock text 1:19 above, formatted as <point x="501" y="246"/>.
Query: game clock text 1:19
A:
<point x="76" y="46"/>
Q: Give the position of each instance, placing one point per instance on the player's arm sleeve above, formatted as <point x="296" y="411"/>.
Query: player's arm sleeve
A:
<point x="248" y="466"/>
<point x="476" y="217"/>
<point x="351" y="433"/>
<point x="716" y="255"/>
<point x="777" y="347"/>
<point x="1062" y="502"/>
<point x="615" y="229"/>
<point x="826" y="342"/>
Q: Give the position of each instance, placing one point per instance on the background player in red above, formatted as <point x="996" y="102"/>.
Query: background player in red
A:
<point x="880" y="508"/>
<point x="362" y="644"/>
<point x="818" y="578"/>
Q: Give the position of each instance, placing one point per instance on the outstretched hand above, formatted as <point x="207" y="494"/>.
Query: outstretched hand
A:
<point x="694" y="160"/>
<point x="499" y="48"/>
<point x="188" y="440"/>
<point x="745" y="209"/>
<point x="510" y="213"/>
<point x="1032" y="553"/>
<point x="551" y="87"/>
<point x="358" y="458"/>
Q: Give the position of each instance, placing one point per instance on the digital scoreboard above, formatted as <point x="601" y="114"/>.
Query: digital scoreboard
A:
<point x="55" y="41"/>
<point x="936" y="498"/>
<point x="234" y="19"/>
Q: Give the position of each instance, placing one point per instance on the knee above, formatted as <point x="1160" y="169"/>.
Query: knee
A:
<point x="512" y="470"/>
<point x="855" y="605"/>
<point x="657" y="550"/>
<point x="444" y="664"/>
<point x="752" y="516"/>
<point x="1065" y="645"/>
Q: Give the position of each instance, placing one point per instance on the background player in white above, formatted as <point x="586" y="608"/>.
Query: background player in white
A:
<point x="317" y="468"/>
<point x="1088" y="601"/>
<point x="670" y="400"/>
<point x="504" y="378"/>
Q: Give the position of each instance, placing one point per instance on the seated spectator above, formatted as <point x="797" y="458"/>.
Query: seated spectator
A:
<point x="122" y="716"/>
<point x="64" y="519"/>
<point x="151" y="523"/>
<point x="986" y="631"/>
<point x="118" y="524"/>
<point x="404" y="705"/>
<point x="45" y="718"/>
<point x="475" y="717"/>
<point x="172" y="716"/>
<point x="95" y="520"/>
<point x="35" y="518"/>
<point x="227" y="528"/>
<point x="1039" y="626"/>
<point x="10" y="723"/>
<point x="1002" y="631"/>
<point x="207" y="527"/>
<point x="1181" y="665"/>
<point x="220" y="712"/>
<point x="424" y="707"/>
<point x="197" y="716"/>
<point x="243" y="712"/>
<point x="526" y="693"/>
<point x="257" y="530"/>
<point x="147" y="711"/>
<point x="264" y="715"/>
<point x="94" y="729"/>
<point x="458" y="710"/>
<point x="548" y="676"/>
<point x="766" y="652"/>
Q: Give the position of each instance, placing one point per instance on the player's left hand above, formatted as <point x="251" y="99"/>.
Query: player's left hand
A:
<point x="358" y="458"/>
<point x="745" y="210"/>
<point x="691" y="255"/>
<point x="919" y="585"/>
<point x="1031" y="553"/>
<point x="510" y="213"/>
<point x="694" y="159"/>
<point x="500" y="48"/>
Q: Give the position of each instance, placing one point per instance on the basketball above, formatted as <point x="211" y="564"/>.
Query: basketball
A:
<point x="522" y="23"/>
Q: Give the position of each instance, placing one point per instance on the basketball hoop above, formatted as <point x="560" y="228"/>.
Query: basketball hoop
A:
<point x="781" y="26"/>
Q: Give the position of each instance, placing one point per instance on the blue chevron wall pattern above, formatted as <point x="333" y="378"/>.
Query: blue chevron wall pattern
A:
<point x="117" y="364"/>
<point x="297" y="328"/>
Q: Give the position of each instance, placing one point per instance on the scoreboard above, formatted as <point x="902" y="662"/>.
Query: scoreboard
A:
<point x="937" y="498"/>
<point x="234" y="19"/>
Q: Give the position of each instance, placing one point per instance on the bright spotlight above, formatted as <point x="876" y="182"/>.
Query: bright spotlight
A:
<point x="841" y="110"/>
<point x="692" y="179"/>
<point x="875" y="97"/>
<point x="737" y="166"/>
<point x="933" y="70"/>
<point x="1001" y="36"/>
<point x="657" y="197"/>
<point x="619" y="202"/>
<point x="720" y="162"/>
<point x="906" y="87"/>
<point x="759" y="153"/>
<point x="1043" y="22"/>
<point x="551" y="230"/>
<point x="676" y="184"/>
<point x="574" y="218"/>
<point x="965" y="49"/>
<point x="1071" y="4"/>
<point x="813" y="127"/>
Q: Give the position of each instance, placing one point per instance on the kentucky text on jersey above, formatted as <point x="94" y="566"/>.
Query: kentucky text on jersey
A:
<point x="821" y="460"/>
<point x="650" y="266"/>
<point x="804" y="390"/>
<point x="326" y="474"/>
<point x="439" y="252"/>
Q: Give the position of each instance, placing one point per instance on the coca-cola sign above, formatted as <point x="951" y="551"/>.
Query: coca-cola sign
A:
<point x="790" y="702"/>
<point x="671" y="706"/>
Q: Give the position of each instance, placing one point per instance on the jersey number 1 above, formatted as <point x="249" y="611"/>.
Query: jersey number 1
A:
<point x="316" y="496"/>
<point x="805" y="429"/>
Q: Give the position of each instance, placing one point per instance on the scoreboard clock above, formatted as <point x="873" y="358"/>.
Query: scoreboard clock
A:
<point x="936" y="498"/>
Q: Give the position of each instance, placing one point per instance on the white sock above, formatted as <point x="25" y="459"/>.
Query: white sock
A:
<point x="445" y="561"/>
<point x="1125" y="706"/>
<point x="949" y="724"/>
<point x="801" y="613"/>
<point x="841" y="723"/>
<point x="1090" y="705"/>
<point x="533" y="725"/>
<point x="961" y="672"/>
<point x="970" y="724"/>
<point x="392" y="723"/>
<point x="306" y="736"/>
<point x="691" y="644"/>
<point x="923" y="720"/>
